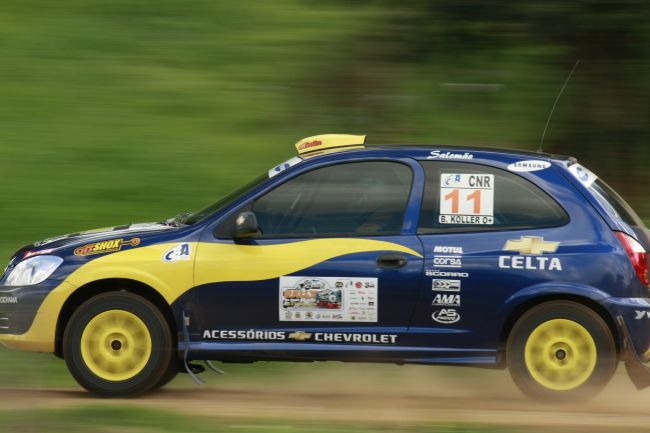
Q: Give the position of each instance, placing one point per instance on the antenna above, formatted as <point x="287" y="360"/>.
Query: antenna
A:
<point x="557" y="98"/>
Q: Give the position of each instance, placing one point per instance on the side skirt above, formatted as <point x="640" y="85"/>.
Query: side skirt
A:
<point x="305" y="352"/>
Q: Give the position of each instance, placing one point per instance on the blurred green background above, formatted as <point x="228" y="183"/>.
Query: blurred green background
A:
<point x="133" y="110"/>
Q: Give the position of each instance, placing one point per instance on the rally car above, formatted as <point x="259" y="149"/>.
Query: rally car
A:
<point x="442" y="255"/>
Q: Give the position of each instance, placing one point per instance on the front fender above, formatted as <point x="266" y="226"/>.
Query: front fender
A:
<point x="144" y="265"/>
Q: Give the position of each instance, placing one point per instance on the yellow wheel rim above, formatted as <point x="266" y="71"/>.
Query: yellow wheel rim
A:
<point x="116" y="345"/>
<point x="560" y="354"/>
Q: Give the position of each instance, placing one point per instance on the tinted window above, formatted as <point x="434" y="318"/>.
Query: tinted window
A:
<point x="615" y="203"/>
<point x="364" y="198"/>
<point x="471" y="197"/>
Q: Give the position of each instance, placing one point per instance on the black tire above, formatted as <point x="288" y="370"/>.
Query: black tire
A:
<point x="141" y="346"/>
<point x="170" y="375"/>
<point x="565" y="366"/>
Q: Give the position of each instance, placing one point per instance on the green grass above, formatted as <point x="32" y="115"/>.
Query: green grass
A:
<point x="124" y="420"/>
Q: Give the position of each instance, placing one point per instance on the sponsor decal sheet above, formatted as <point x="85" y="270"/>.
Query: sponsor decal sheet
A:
<point x="328" y="299"/>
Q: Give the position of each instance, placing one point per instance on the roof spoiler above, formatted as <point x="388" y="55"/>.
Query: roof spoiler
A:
<point x="326" y="143"/>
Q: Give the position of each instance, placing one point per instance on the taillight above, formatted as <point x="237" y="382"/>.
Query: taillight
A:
<point x="638" y="256"/>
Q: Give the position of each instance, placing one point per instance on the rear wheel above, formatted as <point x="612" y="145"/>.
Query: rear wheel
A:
<point x="561" y="350"/>
<point x="118" y="344"/>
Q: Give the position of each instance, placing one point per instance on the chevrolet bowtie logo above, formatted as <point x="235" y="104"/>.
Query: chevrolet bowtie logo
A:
<point x="300" y="335"/>
<point x="533" y="245"/>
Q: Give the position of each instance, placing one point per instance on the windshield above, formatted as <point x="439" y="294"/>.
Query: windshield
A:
<point x="214" y="207"/>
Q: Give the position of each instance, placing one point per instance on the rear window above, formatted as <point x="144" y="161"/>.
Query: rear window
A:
<point x="605" y="195"/>
<point x="614" y="203"/>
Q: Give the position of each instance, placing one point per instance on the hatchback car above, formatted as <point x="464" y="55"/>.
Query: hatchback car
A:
<point x="397" y="254"/>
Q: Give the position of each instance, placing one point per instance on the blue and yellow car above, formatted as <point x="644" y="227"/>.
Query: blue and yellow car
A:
<point x="398" y="254"/>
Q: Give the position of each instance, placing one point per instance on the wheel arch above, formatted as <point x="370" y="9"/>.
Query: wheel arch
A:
<point x="87" y="291"/>
<point x="521" y="308"/>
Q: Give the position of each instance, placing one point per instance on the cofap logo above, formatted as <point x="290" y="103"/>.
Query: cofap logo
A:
<point x="177" y="253"/>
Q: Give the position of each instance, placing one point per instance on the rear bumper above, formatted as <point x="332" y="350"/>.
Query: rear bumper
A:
<point x="634" y="315"/>
<point x="633" y="322"/>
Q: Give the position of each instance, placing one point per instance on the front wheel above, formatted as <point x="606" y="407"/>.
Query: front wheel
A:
<point x="118" y="344"/>
<point x="561" y="350"/>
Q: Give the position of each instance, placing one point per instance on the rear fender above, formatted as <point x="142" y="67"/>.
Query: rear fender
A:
<point x="520" y="302"/>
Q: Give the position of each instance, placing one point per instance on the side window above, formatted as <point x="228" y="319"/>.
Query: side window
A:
<point x="362" y="198"/>
<point x="465" y="197"/>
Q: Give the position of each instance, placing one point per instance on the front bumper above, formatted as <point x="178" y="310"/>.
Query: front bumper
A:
<point x="29" y="314"/>
<point x="19" y="306"/>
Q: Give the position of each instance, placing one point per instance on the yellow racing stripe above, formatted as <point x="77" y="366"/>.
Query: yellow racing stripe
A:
<point x="226" y="262"/>
<point x="212" y="263"/>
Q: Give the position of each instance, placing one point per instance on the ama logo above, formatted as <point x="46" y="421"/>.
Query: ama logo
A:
<point x="177" y="253"/>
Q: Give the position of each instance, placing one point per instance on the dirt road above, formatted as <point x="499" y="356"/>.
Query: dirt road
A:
<point x="442" y="400"/>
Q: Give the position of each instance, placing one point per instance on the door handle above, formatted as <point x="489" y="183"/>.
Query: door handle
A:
<point x="392" y="261"/>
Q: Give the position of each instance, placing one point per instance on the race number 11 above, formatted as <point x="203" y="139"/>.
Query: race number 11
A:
<point x="466" y="199"/>
<point x="455" y="205"/>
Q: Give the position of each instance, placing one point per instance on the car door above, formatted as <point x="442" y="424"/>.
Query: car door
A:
<point x="332" y="263"/>
<point x="487" y="233"/>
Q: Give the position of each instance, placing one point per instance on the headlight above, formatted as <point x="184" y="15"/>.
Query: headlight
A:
<point x="33" y="270"/>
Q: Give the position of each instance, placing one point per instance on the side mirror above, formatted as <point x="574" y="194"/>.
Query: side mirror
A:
<point x="245" y="226"/>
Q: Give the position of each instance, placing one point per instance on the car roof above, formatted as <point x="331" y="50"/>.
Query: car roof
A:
<point x="424" y="151"/>
<point x="466" y="148"/>
<point x="345" y="146"/>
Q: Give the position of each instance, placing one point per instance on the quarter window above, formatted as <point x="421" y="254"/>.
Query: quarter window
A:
<point x="465" y="197"/>
<point x="363" y="198"/>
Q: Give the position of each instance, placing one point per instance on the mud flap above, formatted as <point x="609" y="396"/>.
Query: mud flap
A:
<point x="637" y="369"/>
<point x="192" y="369"/>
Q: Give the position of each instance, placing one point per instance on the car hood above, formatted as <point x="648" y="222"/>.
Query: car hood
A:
<point x="80" y="238"/>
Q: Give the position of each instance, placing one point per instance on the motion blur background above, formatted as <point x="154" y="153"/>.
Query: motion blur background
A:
<point x="131" y="110"/>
